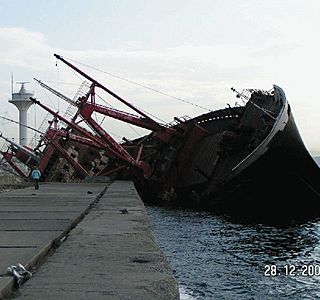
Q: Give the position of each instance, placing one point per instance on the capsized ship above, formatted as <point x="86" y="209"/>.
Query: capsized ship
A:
<point x="248" y="160"/>
<point x="251" y="162"/>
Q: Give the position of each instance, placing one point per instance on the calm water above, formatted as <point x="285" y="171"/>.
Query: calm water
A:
<point x="215" y="258"/>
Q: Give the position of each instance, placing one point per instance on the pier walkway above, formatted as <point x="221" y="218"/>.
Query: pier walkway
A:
<point x="81" y="241"/>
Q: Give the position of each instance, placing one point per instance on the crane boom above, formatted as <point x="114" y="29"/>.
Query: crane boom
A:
<point x="57" y="93"/>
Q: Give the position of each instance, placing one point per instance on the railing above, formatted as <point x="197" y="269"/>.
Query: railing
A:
<point x="72" y="108"/>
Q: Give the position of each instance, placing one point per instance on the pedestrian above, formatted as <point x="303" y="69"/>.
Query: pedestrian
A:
<point x="36" y="174"/>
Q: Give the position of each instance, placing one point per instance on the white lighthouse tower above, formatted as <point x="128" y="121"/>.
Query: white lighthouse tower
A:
<point x="22" y="101"/>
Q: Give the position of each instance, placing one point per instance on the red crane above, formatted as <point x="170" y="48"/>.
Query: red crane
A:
<point x="87" y="105"/>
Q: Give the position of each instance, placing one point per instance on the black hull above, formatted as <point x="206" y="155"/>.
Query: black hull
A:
<point x="279" y="181"/>
<point x="282" y="185"/>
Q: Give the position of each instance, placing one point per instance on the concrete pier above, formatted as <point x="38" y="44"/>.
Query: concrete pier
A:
<point x="82" y="241"/>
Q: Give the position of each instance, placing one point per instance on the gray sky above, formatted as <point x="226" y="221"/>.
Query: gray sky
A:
<point x="194" y="50"/>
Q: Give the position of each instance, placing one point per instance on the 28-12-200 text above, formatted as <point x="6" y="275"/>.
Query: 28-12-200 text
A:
<point x="292" y="270"/>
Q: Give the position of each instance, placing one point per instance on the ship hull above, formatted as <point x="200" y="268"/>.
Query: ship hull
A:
<point x="280" y="185"/>
<point x="276" y="182"/>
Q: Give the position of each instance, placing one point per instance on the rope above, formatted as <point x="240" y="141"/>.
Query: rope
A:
<point x="142" y="85"/>
<point x="29" y="127"/>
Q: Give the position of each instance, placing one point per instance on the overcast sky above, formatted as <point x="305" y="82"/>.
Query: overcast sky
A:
<point x="194" y="50"/>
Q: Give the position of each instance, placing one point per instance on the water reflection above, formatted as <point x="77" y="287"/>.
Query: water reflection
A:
<point x="214" y="257"/>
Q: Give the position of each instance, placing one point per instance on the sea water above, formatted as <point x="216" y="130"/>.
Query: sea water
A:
<point x="214" y="257"/>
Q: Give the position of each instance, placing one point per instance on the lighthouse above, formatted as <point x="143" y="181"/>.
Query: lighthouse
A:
<point x="22" y="101"/>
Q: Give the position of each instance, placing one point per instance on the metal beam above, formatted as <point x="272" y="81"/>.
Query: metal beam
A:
<point x="122" y="116"/>
<point x="83" y="131"/>
<point x="78" y="168"/>
<point x="53" y="91"/>
<point x="108" y="138"/>
<point x="96" y="83"/>
<point x="8" y="157"/>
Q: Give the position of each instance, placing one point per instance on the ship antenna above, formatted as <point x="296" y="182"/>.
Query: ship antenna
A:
<point x="11" y="83"/>
<point x="240" y="95"/>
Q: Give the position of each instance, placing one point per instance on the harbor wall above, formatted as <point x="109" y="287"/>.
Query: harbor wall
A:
<point x="97" y="242"/>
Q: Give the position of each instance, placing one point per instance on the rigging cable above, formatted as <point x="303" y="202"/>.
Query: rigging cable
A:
<point x="143" y="86"/>
<point x="29" y="127"/>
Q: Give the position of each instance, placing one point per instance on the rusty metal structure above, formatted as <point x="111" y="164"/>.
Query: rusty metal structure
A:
<point x="220" y="161"/>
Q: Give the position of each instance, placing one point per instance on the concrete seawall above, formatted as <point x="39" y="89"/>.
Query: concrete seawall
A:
<point x="107" y="250"/>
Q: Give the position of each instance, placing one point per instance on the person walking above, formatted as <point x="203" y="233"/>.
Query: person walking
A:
<point x="36" y="174"/>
